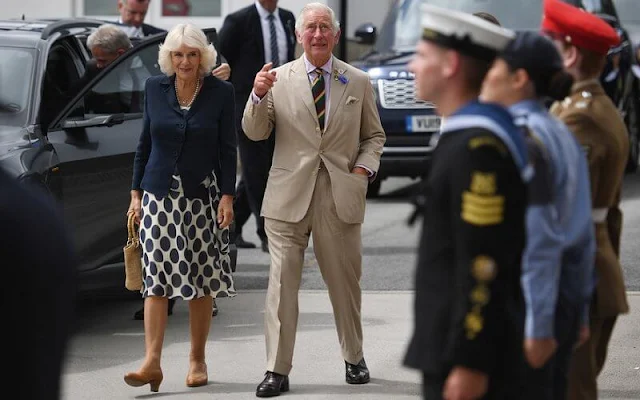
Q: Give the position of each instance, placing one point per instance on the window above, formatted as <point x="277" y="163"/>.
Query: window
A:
<point x="100" y="7"/>
<point x="191" y="8"/>
<point x="121" y="89"/>
<point x="16" y="69"/>
<point x="400" y="30"/>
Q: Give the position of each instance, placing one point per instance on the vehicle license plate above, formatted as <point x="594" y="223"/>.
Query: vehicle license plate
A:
<point x="422" y="123"/>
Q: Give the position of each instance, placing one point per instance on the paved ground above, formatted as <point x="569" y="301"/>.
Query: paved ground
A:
<point x="109" y="343"/>
<point x="106" y="349"/>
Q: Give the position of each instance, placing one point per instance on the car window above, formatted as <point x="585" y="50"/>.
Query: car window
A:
<point x="60" y="74"/>
<point x="594" y="6"/>
<point x="120" y="90"/>
<point x="16" y="71"/>
<point x="628" y="10"/>
<point x="400" y="31"/>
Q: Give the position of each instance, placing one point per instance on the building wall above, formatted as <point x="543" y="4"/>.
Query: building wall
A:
<point x="358" y="11"/>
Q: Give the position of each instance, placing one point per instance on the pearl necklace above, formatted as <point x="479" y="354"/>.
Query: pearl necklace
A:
<point x="195" y="93"/>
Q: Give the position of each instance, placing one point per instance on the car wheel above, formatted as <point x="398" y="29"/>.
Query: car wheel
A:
<point x="631" y="120"/>
<point x="373" y="190"/>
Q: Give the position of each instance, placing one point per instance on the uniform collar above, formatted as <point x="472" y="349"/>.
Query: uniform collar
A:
<point x="525" y="107"/>
<point x="311" y="68"/>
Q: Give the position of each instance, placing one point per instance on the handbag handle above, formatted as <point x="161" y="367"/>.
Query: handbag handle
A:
<point x="131" y="228"/>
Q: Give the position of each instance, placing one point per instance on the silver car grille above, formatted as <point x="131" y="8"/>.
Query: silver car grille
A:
<point x="399" y="93"/>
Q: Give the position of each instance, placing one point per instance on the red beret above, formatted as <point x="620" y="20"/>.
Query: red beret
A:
<point x="578" y="27"/>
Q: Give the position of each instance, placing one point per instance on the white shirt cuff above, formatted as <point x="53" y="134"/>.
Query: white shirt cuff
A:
<point x="369" y="172"/>
<point x="255" y="99"/>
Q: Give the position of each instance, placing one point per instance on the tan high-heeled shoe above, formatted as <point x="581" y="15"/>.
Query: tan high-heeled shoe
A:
<point x="137" y="379"/>
<point x="198" y="379"/>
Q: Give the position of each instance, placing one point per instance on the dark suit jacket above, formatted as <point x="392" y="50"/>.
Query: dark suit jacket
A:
<point x="242" y="44"/>
<point x="149" y="30"/>
<point x="42" y="274"/>
<point x="198" y="141"/>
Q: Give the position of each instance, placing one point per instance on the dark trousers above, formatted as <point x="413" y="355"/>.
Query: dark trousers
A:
<point x="256" y="158"/>
<point x="432" y="388"/>
<point x="505" y="385"/>
<point x="550" y="382"/>
<point x="589" y="359"/>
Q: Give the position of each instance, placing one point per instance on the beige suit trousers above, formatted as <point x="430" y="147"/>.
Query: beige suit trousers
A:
<point x="338" y="249"/>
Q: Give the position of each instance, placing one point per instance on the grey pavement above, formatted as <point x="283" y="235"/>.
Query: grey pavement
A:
<point x="109" y="343"/>
<point x="236" y="353"/>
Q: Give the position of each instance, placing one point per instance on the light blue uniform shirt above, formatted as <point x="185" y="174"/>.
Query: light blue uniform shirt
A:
<point x="559" y="256"/>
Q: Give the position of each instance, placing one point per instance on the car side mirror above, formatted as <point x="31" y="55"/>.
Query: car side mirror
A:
<point x="366" y="33"/>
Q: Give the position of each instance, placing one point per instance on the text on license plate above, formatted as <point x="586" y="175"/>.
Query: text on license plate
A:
<point x="422" y="123"/>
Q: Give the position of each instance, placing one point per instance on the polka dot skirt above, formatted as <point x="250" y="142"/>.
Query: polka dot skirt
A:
<point x="185" y="253"/>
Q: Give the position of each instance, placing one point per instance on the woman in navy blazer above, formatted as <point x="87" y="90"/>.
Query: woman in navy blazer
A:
<point x="182" y="196"/>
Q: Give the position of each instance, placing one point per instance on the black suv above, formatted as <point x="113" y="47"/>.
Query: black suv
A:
<point x="78" y="145"/>
<point x="410" y="124"/>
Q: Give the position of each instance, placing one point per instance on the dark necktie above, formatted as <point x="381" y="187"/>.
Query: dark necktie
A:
<point x="275" y="58"/>
<point x="318" y="91"/>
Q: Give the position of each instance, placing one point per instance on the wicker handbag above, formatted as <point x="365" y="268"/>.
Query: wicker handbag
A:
<point x="132" y="257"/>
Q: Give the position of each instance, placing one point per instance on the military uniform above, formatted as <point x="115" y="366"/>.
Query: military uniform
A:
<point x="595" y="121"/>
<point x="469" y="306"/>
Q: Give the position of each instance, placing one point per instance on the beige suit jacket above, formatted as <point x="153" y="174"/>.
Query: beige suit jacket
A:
<point x="353" y="135"/>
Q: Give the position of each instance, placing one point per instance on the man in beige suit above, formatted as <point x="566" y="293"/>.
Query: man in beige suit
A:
<point x="327" y="149"/>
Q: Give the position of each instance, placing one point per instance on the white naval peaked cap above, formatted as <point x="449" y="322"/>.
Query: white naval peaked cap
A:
<point x="463" y="32"/>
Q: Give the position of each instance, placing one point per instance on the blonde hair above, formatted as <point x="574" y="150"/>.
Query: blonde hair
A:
<point x="316" y="7"/>
<point x="191" y="36"/>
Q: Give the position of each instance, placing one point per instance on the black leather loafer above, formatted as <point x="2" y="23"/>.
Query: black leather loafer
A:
<point x="357" y="374"/>
<point x="272" y="385"/>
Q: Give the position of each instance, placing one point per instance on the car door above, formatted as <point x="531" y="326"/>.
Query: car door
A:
<point x="95" y="138"/>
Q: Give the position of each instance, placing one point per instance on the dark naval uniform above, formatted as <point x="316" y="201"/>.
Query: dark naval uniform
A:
<point x="469" y="306"/>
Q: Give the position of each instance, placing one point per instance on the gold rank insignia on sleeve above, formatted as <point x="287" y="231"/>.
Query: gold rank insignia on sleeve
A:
<point x="480" y="204"/>
<point x="483" y="270"/>
<point x="473" y="324"/>
<point x="490" y="141"/>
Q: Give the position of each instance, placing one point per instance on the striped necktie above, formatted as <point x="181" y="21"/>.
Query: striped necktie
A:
<point x="275" y="56"/>
<point x="318" y="91"/>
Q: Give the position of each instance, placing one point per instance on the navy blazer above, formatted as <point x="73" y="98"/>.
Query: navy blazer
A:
<point x="197" y="141"/>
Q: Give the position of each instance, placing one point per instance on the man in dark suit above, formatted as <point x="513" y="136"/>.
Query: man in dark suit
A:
<point x="249" y="38"/>
<point x="42" y="267"/>
<point x="132" y="14"/>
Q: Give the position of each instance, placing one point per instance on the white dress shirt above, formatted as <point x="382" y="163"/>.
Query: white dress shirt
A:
<point x="266" y="34"/>
<point x="130" y="30"/>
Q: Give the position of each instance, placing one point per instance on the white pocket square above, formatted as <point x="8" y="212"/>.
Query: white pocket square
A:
<point x="352" y="100"/>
